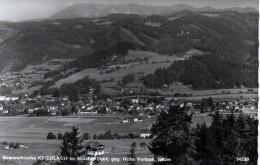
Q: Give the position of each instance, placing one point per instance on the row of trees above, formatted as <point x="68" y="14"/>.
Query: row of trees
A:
<point x="127" y="79"/>
<point x="12" y="145"/>
<point x="224" y="142"/>
<point x="86" y="136"/>
<point x="108" y="135"/>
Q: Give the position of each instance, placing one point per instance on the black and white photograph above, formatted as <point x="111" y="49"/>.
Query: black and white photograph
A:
<point x="129" y="82"/>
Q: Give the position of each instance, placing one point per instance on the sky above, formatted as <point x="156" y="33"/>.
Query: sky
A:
<point x="18" y="10"/>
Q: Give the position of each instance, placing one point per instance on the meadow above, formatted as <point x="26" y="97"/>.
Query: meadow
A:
<point x="35" y="129"/>
<point x="154" y="61"/>
<point x="32" y="132"/>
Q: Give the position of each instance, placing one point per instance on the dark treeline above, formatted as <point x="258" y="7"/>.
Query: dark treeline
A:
<point x="127" y="79"/>
<point x="109" y="135"/>
<point x="227" y="141"/>
<point x="82" y="86"/>
<point x="99" y="58"/>
<point x="72" y="90"/>
<point x="205" y="72"/>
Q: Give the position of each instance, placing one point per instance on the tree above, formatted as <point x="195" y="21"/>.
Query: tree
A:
<point x="86" y="136"/>
<point x="11" y="145"/>
<point x="128" y="78"/>
<point x="17" y="145"/>
<point x="107" y="135"/>
<point x="216" y="131"/>
<point x="172" y="138"/>
<point x="202" y="143"/>
<point x="74" y="95"/>
<point x="56" y="93"/>
<point x="227" y="139"/>
<point x="51" y="136"/>
<point x="143" y="144"/>
<point x="71" y="147"/>
<point x="132" y="155"/>
<point x="73" y="109"/>
<point x="60" y="136"/>
<point x="131" y="135"/>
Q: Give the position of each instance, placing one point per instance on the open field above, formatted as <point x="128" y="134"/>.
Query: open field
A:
<point x="35" y="129"/>
<point x="155" y="61"/>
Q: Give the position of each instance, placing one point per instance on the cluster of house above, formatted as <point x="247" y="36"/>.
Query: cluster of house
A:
<point x="134" y="106"/>
<point x="226" y="108"/>
<point x="110" y="106"/>
<point x="29" y="105"/>
<point x="245" y="107"/>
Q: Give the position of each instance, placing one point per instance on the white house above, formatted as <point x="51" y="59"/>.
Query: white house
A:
<point x="5" y="112"/>
<point x="145" y="135"/>
<point x="7" y="98"/>
<point x="135" y="101"/>
<point x="136" y="119"/>
<point x="125" y="120"/>
<point x="14" y="98"/>
<point x="2" y="98"/>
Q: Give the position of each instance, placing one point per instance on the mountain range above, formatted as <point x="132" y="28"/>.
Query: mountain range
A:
<point x="229" y="37"/>
<point x="98" y="10"/>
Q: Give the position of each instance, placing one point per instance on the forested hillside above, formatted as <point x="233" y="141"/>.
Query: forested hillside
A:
<point x="232" y="44"/>
<point x="228" y="41"/>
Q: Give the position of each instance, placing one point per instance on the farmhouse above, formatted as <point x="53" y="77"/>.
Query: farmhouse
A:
<point x="94" y="148"/>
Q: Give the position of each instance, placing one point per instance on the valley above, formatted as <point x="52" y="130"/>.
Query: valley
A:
<point x="115" y="74"/>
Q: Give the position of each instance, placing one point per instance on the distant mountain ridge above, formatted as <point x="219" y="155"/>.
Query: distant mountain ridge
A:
<point x="31" y="42"/>
<point x="99" y="10"/>
<point x="229" y="38"/>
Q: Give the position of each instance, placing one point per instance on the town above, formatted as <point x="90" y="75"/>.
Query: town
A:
<point x="128" y="108"/>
